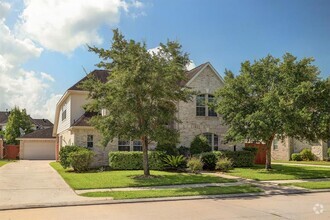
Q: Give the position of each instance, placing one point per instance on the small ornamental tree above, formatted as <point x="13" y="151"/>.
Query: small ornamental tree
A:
<point x="275" y="98"/>
<point x="18" y="123"/>
<point x="141" y="94"/>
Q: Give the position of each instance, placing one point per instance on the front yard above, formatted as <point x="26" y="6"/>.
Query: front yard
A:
<point x="128" y="178"/>
<point x="323" y="163"/>
<point x="281" y="172"/>
<point x="212" y="190"/>
<point x="311" y="185"/>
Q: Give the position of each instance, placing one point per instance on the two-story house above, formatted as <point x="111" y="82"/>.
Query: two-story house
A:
<point x="71" y="121"/>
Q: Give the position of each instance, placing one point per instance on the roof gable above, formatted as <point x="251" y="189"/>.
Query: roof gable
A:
<point x="194" y="73"/>
<point x="101" y="75"/>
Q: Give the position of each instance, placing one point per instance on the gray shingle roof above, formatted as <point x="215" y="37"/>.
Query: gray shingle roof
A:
<point x="101" y="75"/>
<point x="40" y="134"/>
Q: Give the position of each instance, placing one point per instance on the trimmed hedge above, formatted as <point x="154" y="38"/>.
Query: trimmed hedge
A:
<point x="240" y="158"/>
<point x="121" y="160"/>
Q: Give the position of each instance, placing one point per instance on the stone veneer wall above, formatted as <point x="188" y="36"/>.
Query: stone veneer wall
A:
<point x="206" y="83"/>
<point x="101" y="153"/>
<point x="284" y="150"/>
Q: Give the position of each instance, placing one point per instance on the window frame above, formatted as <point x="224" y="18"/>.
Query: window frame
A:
<point x="124" y="146"/>
<point x="202" y="107"/>
<point x="90" y="141"/>
<point x="136" y="146"/>
<point x="214" y="140"/>
<point x="275" y="146"/>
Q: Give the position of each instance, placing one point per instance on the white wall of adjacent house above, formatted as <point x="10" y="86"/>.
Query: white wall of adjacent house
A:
<point x="64" y="119"/>
<point x="78" y="100"/>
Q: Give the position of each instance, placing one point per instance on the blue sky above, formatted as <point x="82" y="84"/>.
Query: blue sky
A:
<point x="225" y="33"/>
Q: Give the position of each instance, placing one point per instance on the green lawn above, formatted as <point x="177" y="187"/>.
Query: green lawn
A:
<point x="115" y="179"/>
<point x="323" y="163"/>
<point x="311" y="185"/>
<point x="213" y="190"/>
<point x="3" y="162"/>
<point x="281" y="172"/>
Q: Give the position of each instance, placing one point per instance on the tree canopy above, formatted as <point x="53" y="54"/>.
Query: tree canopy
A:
<point x="18" y="123"/>
<point x="275" y="97"/>
<point x="141" y="94"/>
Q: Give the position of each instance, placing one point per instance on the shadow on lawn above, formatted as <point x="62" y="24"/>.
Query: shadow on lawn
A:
<point x="281" y="171"/>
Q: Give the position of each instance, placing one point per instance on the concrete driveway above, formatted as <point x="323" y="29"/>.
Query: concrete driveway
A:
<point x="29" y="182"/>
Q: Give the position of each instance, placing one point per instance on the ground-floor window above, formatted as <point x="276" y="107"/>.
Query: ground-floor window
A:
<point x="123" y="145"/>
<point x="90" y="141"/>
<point x="213" y="140"/>
<point x="275" y="144"/>
<point x="137" y="145"/>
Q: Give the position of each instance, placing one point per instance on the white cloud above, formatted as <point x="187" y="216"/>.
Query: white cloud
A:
<point x="19" y="87"/>
<point x="64" y="25"/>
<point x="191" y="65"/>
<point x="4" y="9"/>
<point x="47" y="76"/>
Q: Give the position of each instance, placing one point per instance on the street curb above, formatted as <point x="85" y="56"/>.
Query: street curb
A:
<point x="127" y="201"/>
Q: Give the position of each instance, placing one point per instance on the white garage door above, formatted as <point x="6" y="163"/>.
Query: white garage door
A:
<point x="39" y="150"/>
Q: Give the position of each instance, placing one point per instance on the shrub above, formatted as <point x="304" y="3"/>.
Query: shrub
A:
<point x="306" y="154"/>
<point x="209" y="160"/>
<point x="169" y="149"/>
<point x="174" y="162"/>
<point x="199" y="145"/>
<point x="240" y="158"/>
<point x="252" y="149"/>
<point x="224" y="164"/>
<point x="184" y="151"/>
<point x="156" y="160"/>
<point x="134" y="160"/>
<point x="64" y="155"/>
<point x="81" y="159"/>
<point x="195" y="165"/>
<point x="296" y="157"/>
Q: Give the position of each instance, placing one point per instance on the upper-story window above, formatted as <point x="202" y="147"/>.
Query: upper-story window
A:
<point x="203" y="107"/>
<point x="64" y="111"/>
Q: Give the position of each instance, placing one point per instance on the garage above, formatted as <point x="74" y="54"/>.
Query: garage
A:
<point x="38" y="145"/>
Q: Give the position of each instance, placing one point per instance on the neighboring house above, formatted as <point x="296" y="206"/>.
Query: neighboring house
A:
<point x="3" y="120"/>
<point x="71" y="122"/>
<point x="38" y="145"/>
<point x="282" y="150"/>
<point x="37" y="124"/>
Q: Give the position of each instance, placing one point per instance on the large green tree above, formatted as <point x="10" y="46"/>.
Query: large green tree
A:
<point x="275" y="98"/>
<point x="141" y="94"/>
<point x="18" y="123"/>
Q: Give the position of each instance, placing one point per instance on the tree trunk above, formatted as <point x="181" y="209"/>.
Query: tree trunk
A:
<point x="269" y="153"/>
<point x="145" y="156"/>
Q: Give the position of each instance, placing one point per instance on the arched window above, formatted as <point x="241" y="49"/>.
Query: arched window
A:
<point x="213" y="140"/>
<point x="203" y="105"/>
